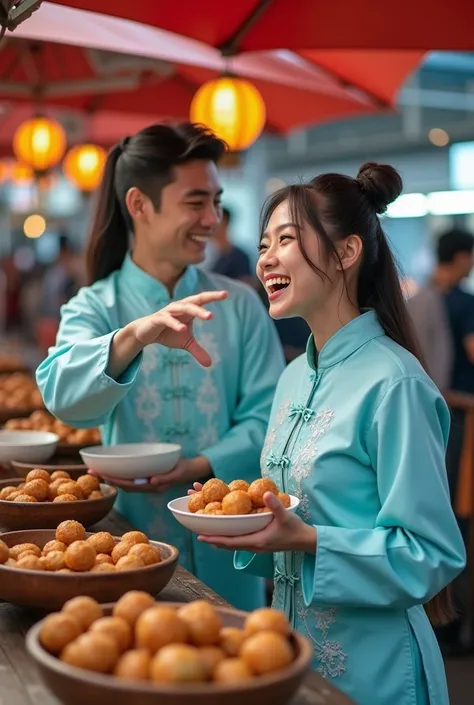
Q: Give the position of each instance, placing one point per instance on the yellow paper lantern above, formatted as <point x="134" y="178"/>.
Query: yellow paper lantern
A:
<point x="233" y="108"/>
<point x="40" y="143"/>
<point x="83" y="166"/>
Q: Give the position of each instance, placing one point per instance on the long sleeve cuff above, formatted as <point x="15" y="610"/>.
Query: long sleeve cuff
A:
<point x="261" y="564"/>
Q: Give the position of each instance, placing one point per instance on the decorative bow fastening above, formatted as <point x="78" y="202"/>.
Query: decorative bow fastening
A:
<point x="178" y="392"/>
<point x="290" y="578"/>
<point x="275" y="461"/>
<point x="300" y="410"/>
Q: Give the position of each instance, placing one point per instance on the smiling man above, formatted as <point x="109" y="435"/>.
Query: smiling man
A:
<point x="161" y="192"/>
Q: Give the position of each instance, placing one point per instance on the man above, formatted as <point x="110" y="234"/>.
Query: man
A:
<point x="161" y="189"/>
<point x="230" y="260"/>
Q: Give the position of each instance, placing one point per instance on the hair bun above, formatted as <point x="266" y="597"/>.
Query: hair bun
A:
<point x="381" y="183"/>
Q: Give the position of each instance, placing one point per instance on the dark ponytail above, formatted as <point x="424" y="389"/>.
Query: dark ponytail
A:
<point x="336" y="206"/>
<point x="145" y="161"/>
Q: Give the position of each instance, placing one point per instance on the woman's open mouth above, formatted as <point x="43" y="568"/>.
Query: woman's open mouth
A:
<point x="276" y="287"/>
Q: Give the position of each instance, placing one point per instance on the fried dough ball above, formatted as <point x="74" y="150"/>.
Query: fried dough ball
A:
<point x="231" y="640"/>
<point x="102" y="558"/>
<point x="263" y="510"/>
<point x="134" y="665"/>
<point x="29" y="562"/>
<point x="15" y="551"/>
<point x="38" y="474"/>
<point x="88" y="483"/>
<point x="102" y="542"/>
<point x="196" y="502"/>
<point x="80" y="556"/>
<point x="267" y="619"/>
<point x="7" y="491"/>
<point x="116" y="628"/>
<point x="85" y="610"/>
<point x="213" y="507"/>
<point x="60" y="475"/>
<point x="238" y="485"/>
<point x="150" y="555"/>
<point x="37" y="489"/>
<point x="96" y="494"/>
<point x="65" y="570"/>
<point x="204" y="623"/>
<point x="211" y="656"/>
<point x="232" y="670"/>
<point x="284" y="499"/>
<point x="70" y="488"/>
<point x="201" y="511"/>
<point x="103" y="568"/>
<point x="54" y="560"/>
<point x="53" y="489"/>
<point x="258" y="488"/>
<point x="265" y="652"/>
<point x="4" y="552"/>
<point x="54" y="545"/>
<point x="178" y="663"/>
<point x="214" y="490"/>
<point x="133" y="537"/>
<point x="121" y="549"/>
<point x="132" y="605"/>
<point x="94" y="652"/>
<point x="58" y="631"/>
<point x="24" y="498"/>
<point x="237" y="502"/>
<point x="69" y="531"/>
<point x="11" y="563"/>
<point x="13" y="495"/>
<point x="65" y="498"/>
<point x="129" y="563"/>
<point x="159" y="626"/>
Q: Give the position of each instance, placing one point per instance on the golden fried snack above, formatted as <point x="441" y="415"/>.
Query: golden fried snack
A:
<point x="118" y="629"/>
<point x="4" y="494"/>
<point x="54" y="545"/>
<point x="129" y="563"/>
<point x="213" y="507"/>
<point x="94" y="652"/>
<point x="54" y="560"/>
<point x="103" y="558"/>
<point x="65" y="570"/>
<point x="237" y="502"/>
<point x="258" y="488"/>
<point x="211" y="656"/>
<point x="58" y="631"/>
<point x="203" y="622"/>
<point x="178" y="663"/>
<point x="80" y="556"/>
<point x="37" y="489"/>
<point x="121" y="549"/>
<point x="102" y="542"/>
<point x="238" y="485"/>
<point x="214" y="490"/>
<point x="71" y="488"/>
<point x="23" y="498"/>
<point x="196" y="502"/>
<point x="13" y="495"/>
<point x="159" y="626"/>
<point x="69" y="531"/>
<point x="15" y="551"/>
<point x="103" y="568"/>
<point x="265" y="652"/>
<point x="96" y="494"/>
<point x="231" y="640"/>
<point x="60" y="475"/>
<point x="133" y="665"/>
<point x="4" y="552"/>
<point x="150" y="555"/>
<point x="133" y="537"/>
<point x="263" y="510"/>
<point x="132" y="605"/>
<point x="11" y="563"/>
<point x="85" y="610"/>
<point x="232" y="670"/>
<point x="29" y="562"/>
<point x="38" y="474"/>
<point x="201" y="511"/>
<point x="284" y="499"/>
<point x="65" y="498"/>
<point x="54" y="486"/>
<point x="267" y="619"/>
<point x="88" y="484"/>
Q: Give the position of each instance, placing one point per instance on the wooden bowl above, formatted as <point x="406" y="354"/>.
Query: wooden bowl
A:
<point x="49" y="591"/>
<point x="22" y="412"/>
<point x="75" y="686"/>
<point x="47" y="515"/>
<point x="74" y="466"/>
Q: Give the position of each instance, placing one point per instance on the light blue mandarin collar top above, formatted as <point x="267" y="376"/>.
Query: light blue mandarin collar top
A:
<point x="346" y="341"/>
<point x="154" y="290"/>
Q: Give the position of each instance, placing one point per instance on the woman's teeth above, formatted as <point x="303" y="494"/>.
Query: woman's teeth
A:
<point x="277" y="283"/>
<point x="199" y="238"/>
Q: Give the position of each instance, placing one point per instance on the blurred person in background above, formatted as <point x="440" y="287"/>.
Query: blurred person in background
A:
<point x="212" y="394"/>
<point x="229" y="260"/>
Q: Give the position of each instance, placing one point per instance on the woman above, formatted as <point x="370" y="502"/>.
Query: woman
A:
<point x="358" y="432"/>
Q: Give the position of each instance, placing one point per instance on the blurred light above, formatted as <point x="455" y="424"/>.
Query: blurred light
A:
<point x="21" y="174"/>
<point x="273" y="185"/>
<point x="461" y="165"/>
<point x="84" y="164"/>
<point x="39" y="142"/>
<point x="451" y="202"/>
<point x="24" y="258"/>
<point x="34" y="226"/>
<point x="409" y="287"/>
<point x="410" y="205"/>
<point x="438" y="137"/>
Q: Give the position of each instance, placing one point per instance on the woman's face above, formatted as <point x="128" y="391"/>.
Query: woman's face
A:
<point x="293" y="287"/>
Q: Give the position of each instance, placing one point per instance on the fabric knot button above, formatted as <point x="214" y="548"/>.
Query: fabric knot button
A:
<point x="290" y="578"/>
<point x="301" y="411"/>
<point x="281" y="461"/>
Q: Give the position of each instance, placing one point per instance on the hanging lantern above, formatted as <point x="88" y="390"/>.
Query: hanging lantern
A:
<point x="83" y="166"/>
<point x="233" y="108"/>
<point x="5" y="170"/>
<point x="21" y="174"/>
<point x="40" y="143"/>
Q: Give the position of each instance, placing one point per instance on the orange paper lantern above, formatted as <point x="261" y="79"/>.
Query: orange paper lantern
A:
<point x="83" y="166"/>
<point x="40" y="143"/>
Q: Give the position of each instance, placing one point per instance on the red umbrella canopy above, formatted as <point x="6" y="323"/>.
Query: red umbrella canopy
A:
<point x="250" y="25"/>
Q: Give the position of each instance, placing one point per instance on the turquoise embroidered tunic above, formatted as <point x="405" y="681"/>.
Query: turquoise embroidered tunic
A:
<point x="220" y="412"/>
<point x="359" y="435"/>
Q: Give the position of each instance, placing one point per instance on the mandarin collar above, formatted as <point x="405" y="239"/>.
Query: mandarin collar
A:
<point x="152" y="288"/>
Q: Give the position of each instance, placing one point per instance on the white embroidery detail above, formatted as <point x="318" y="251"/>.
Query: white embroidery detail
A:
<point x="207" y="437"/>
<point x="150" y="359"/>
<point x="148" y="402"/>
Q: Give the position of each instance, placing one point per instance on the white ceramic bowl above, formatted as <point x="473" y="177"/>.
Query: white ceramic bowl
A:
<point x="27" y="446"/>
<point x="131" y="461"/>
<point x="209" y="525"/>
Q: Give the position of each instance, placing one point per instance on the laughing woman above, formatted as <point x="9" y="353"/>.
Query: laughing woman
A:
<point x="358" y="432"/>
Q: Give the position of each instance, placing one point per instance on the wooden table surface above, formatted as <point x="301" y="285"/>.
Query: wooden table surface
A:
<point x="20" y="683"/>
